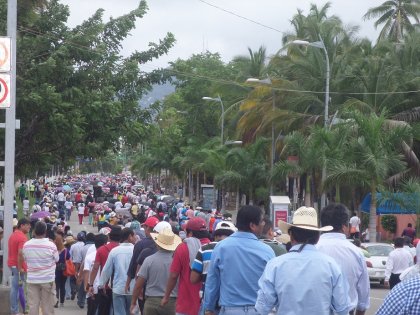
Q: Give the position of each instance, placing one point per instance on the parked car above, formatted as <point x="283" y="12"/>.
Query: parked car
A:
<point x="376" y="263"/>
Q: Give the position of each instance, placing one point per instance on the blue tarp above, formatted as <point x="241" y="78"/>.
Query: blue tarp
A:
<point x="396" y="203"/>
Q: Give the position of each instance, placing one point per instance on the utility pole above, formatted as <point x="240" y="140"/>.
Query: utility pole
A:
<point x="9" y="161"/>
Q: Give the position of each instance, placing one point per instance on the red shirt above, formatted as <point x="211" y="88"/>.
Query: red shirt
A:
<point x="103" y="252"/>
<point x="16" y="242"/>
<point x="188" y="300"/>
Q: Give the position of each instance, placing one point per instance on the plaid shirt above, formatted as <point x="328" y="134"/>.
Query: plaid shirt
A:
<point x="404" y="299"/>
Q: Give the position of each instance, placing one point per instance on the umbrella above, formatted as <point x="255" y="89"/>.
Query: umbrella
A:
<point x="66" y="188"/>
<point x="40" y="215"/>
<point x="22" y="297"/>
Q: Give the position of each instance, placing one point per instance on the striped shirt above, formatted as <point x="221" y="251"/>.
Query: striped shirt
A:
<point x="41" y="256"/>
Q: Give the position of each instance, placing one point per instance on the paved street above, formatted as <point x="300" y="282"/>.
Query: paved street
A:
<point x="70" y="307"/>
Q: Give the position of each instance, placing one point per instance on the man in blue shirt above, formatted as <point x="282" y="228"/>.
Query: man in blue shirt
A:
<point x="304" y="281"/>
<point x="115" y="269"/>
<point x="346" y="255"/>
<point x="236" y="264"/>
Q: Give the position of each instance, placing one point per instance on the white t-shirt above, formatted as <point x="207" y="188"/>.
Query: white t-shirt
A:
<point x="68" y="204"/>
<point x="25" y="205"/>
<point x="89" y="261"/>
<point x="81" y="209"/>
<point x="118" y="205"/>
<point x="355" y="222"/>
<point x="60" y="197"/>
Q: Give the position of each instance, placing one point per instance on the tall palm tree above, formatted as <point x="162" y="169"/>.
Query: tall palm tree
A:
<point x="395" y="15"/>
<point x="373" y="154"/>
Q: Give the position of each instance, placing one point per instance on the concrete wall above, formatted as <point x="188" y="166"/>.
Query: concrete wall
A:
<point x="402" y="221"/>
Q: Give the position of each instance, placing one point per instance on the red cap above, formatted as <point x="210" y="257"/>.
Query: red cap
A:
<point x="196" y="224"/>
<point x="151" y="222"/>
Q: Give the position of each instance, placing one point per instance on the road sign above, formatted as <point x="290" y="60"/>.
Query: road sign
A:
<point x="5" y="54"/>
<point x="4" y="90"/>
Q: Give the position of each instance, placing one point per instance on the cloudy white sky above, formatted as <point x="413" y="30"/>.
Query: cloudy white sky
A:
<point x="198" y="26"/>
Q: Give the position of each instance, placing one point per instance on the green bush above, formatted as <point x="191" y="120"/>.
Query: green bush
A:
<point x="389" y="223"/>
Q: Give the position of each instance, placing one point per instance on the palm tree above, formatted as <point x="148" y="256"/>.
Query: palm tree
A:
<point x="372" y="155"/>
<point x="395" y="15"/>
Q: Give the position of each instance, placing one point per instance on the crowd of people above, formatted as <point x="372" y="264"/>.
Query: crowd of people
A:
<point x="150" y="258"/>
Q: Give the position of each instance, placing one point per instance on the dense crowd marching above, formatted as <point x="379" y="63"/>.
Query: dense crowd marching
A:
<point x="150" y="257"/>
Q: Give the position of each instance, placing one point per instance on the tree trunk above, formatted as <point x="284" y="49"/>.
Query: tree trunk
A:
<point x="197" y="198"/>
<point x="308" y="202"/>
<point x="251" y="197"/>
<point x="190" y="188"/>
<point x="222" y="210"/>
<point x="237" y="199"/>
<point x="337" y="193"/>
<point x="372" y="215"/>
<point x="184" y="187"/>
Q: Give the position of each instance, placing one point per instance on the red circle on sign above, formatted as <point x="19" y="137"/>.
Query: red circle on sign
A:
<point x="6" y="90"/>
<point x="6" y="54"/>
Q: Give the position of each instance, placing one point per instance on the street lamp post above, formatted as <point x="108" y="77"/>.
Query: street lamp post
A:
<point x="218" y="99"/>
<point x="273" y="140"/>
<point x="320" y="44"/>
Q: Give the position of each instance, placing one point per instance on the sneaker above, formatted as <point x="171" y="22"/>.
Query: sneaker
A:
<point x="73" y="296"/>
<point x="61" y="304"/>
<point x="56" y="305"/>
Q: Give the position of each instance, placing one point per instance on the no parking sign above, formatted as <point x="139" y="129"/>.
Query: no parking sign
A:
<point x="4" y="90"/>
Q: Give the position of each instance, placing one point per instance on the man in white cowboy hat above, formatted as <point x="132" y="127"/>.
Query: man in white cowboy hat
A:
<point x="304" y="281"/>
<point x="347" y="256"/>
<point x="154" y="272"/>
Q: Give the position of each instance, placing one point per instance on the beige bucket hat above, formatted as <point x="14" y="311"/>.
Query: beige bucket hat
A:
<point x="304" y="218"/>
<point x="166" y="239"/>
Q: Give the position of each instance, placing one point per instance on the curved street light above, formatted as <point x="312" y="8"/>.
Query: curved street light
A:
<point x="217" y="99"/>
<point x="273" y="141"/>
<point x="320" y="44"/>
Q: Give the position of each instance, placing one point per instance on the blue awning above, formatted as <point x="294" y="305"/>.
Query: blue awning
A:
<point x="395" y="203"/>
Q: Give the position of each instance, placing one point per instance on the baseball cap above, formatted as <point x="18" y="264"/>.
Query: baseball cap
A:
<point x="226" y="225"/>
<point x="151" y="222"/>
<point x="161" y="226"/>
<point x="105" y="230"/>
<point x="196" y="224"/>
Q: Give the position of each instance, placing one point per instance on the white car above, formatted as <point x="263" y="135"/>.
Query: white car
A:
<point x="376" y="263"/>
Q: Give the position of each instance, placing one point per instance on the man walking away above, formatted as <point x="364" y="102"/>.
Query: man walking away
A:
<point x="398" y="260"/>
<point x="115" y="270"/>
<point x="236" y="265"/>
<point x="104" y="297"/>
<point x="154" y="272"/>
<point x="304" y="281"/>
<point x="41" y="256"/>
<point x="346" y="255"/>
<point x="188" y="300"/>
<point x="201" y="263"/>
<point x="355" y="226"/>
<point x="16" y="263"/>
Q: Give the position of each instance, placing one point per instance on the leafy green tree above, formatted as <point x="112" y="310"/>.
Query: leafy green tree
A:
<point x="395" y="15"/>
<point x="76" y="94"/>
<point x="373" y="155"/>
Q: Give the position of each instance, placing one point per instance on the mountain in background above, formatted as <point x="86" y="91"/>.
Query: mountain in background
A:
<point x="158" y="92"/>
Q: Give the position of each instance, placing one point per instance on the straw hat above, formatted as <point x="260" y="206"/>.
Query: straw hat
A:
<point x="69" y="240"/>
<point x="283" y="238"/>
<point x="304" y="218"/>
<point x="166" y="239"/>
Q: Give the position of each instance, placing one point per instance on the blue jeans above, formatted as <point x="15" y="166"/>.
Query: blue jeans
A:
<point x="121" y="304"/>
<point x="14" y="290"/>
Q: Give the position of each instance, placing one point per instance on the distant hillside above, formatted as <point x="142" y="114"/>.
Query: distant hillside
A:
<point x="158" y="92"/>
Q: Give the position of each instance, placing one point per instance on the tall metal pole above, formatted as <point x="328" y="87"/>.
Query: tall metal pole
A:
<point x="9" y="161"/>
<point x="223" y="117"/>
<point x="273" y="141"/>
<point x="327" y="99"/>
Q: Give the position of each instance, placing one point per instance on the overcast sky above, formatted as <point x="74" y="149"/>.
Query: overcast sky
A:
<point x="198" y="27"/>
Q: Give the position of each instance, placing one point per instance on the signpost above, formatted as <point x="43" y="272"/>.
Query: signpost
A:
<point x="4" y="90"/>
<point x="279" y="208"/>
<point x="8" y="63"/>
